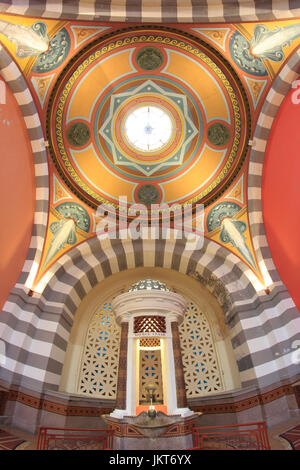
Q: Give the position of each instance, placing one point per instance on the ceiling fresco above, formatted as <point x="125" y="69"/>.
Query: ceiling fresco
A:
<point x="193" y="92"/>
<point x="188" y="81"/>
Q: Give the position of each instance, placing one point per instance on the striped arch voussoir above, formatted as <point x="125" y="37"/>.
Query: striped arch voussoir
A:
<point x="162" y="11"/>
<point x="86" y="265"/>
<point x="11" y="74"/>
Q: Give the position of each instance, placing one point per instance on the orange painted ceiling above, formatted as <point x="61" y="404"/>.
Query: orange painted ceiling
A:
<point x="205" y="78"/>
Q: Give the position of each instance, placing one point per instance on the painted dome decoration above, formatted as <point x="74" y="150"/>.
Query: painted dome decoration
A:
<point x="149" y="284"/>
<point x="148" y="106"/>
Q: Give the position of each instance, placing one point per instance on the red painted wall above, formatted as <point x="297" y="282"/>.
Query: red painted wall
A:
<point x="17" y="192"/>
<point x="281" y="194"/>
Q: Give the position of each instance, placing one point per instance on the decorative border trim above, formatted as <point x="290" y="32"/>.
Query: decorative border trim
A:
<point x="97" y="411"/>
<point x="243" y="405"/>
<point x="57" y="408"/>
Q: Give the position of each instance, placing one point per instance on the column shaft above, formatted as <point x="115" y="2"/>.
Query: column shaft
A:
<point x="179" y="376"/>
<point x="122" y="371"/>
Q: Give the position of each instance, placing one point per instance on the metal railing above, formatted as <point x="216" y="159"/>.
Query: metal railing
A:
<point x="249" y="436"/>
<point x="52" y="438"/>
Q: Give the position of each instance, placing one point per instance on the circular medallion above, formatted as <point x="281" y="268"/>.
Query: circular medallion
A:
<point x="148" y="107"/>
<point x="148" y="194"/>
<point x="78" y="134"/>
<point x="218" y="134"/>
<point x="149" y="58"/>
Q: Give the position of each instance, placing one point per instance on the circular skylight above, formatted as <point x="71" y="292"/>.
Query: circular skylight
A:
<point x="148" y="128"/>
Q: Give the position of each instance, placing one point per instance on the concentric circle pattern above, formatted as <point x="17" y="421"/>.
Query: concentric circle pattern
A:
<point x="149" y="108"/>
<point x="148" y="128"/>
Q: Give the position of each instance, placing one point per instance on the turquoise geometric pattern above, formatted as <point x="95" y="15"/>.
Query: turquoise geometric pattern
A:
<point x="179" y="101"/>
<point x="232" y="230"/>
<point x="73" y="210"/>
<point x="219" y="212"/>
<point x="240" y="53"/>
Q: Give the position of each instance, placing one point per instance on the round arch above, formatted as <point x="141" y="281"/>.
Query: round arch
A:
<point x="47" y="320"/>
<point x="118" y="283"/>
<point x="281" y="85"/>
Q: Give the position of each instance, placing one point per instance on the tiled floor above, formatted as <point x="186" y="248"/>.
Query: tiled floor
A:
<point x="276" y="442"/>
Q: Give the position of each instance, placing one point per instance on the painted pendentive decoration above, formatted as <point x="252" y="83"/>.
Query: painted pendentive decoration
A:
<point x="76" y="212"/>
<point x="41" y="86"/>
<point x="265" y="44"/>
<point x="231" y="230"/>
<point x="30" y="41"/>
<point x="59" y="47"/>
<point x="219" y="212"/>
<point x="86" y="32"/>
<point x="268" y="44"/>
<point x="64" y="230"/>
<point x="240" y="52"/>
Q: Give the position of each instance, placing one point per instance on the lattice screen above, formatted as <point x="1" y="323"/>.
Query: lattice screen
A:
<point x="149" y="324"/>
<point x="201" y="370"/>
<point x="149" y="342"/>
<point x="150" y="372"/>
<point x="99" y="367"/>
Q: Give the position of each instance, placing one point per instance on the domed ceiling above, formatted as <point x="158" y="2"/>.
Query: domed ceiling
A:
<point x="152" y="114"/>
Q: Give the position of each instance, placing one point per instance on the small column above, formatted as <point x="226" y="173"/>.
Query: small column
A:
<point x="122" y="371"/>
<point x="152" y="305"/>
<point x="179" y="375"/>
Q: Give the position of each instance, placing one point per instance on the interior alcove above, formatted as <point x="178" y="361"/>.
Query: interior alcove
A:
<point x="118" y="283"/>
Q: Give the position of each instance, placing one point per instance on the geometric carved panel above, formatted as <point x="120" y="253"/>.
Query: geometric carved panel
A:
<point x="201" y="370"/>
<point x="100" y="360"/>
<point x="149" y="324"/>
<point x="150" y="373"/>
<point x="149" y="342"/>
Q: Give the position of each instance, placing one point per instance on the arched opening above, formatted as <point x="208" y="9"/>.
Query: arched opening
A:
<point x="90" y="366"/>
